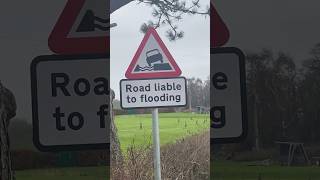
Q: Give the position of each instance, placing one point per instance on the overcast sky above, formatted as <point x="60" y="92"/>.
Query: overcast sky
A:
<point x="288" y="25"/>
<point x="191" y="53"/>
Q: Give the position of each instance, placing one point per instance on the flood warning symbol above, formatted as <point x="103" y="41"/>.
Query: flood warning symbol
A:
<point x="90" y="23"/>
<point x="152" y="59"/>
<point x="155" y="62"/>
<point x="83" y="27"/>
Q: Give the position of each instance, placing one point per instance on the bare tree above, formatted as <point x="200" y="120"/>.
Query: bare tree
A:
<point x="7" y="111"/>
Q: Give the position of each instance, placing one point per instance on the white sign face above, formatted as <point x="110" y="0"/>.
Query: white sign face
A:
<point x="144" y="93"/>
<point x="70" y="96"/>
<point x="228" y="95"/>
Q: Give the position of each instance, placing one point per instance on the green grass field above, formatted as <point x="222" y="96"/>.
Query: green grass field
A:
<point x="173" y="126"/>
<point x="84" y="173"/>
<point x="241" y="171"/>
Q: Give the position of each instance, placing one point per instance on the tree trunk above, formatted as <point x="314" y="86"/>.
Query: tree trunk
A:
<point x="116" y="155"/>
<point x="7" y="111"/>
<point x="190" y="100"/>
<point x="256" y="125"/>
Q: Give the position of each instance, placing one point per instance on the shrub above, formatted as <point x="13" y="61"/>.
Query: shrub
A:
<point x="187" y="159"/>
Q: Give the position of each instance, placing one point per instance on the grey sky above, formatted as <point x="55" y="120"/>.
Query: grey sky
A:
<point x="25" y="27"/>
<point x="191" y="53"/>
<point x="286" y="25"/>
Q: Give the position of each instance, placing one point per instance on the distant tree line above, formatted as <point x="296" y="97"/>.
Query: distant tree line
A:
<point x="198" y="92"/>
<point x="283" y="99"/>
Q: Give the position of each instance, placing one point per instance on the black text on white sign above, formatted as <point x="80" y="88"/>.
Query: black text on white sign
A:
<point x="144" y="93"/>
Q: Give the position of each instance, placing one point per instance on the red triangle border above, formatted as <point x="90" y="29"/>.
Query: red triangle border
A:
<point x="60" y="43"/>
<point x="130" y="75"/>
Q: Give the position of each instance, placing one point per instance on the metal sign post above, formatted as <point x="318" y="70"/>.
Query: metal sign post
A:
<point x="156" y="144"/>
<point x="154" y="81"/>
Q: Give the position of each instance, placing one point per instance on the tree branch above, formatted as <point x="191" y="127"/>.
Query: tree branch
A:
<point x="170" y="12"/>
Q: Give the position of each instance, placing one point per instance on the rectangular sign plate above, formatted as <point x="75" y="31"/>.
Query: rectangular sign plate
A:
<point x="153" y="93"/>
<point x="228" y="95"/>
<point x="70" y="102"/>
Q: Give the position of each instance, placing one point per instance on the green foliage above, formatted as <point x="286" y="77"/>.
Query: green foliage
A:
<point x="199" y="92"/>
<point x="172" y="128"/>
<point x="254" y="156"/>
<point x="224" y="170"/>
<point x="20" y="133"/>
<point x="83" y="173"/>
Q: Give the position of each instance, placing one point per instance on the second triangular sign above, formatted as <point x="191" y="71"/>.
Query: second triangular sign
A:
<point x="152" y="59"/>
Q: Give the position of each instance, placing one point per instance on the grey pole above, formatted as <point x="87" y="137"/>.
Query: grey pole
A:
<point x="156" y="144"/>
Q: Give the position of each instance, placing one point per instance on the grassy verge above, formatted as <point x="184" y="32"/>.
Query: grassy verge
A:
<point x="173" y="126"/>
<point x="241" y="171"/>
<point x="186" y="159"/>
<point x="76" y="173"/>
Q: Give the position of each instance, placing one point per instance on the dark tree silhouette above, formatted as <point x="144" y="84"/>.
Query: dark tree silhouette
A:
<point x="272" y="96"/>
<point x="7" y="111"/>
<point x="309" y="90"/>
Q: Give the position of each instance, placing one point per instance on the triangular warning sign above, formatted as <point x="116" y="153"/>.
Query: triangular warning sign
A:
<point x="219" y="31"/>
<point x="152" y="59"/>
<point x="83" y="27"/>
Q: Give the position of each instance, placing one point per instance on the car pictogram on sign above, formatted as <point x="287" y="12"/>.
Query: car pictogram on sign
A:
<point x="154" y="55"/>
<point x="152" y="59"/>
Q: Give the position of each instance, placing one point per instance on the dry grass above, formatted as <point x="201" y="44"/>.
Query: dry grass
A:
<point x="188" y="159"/>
